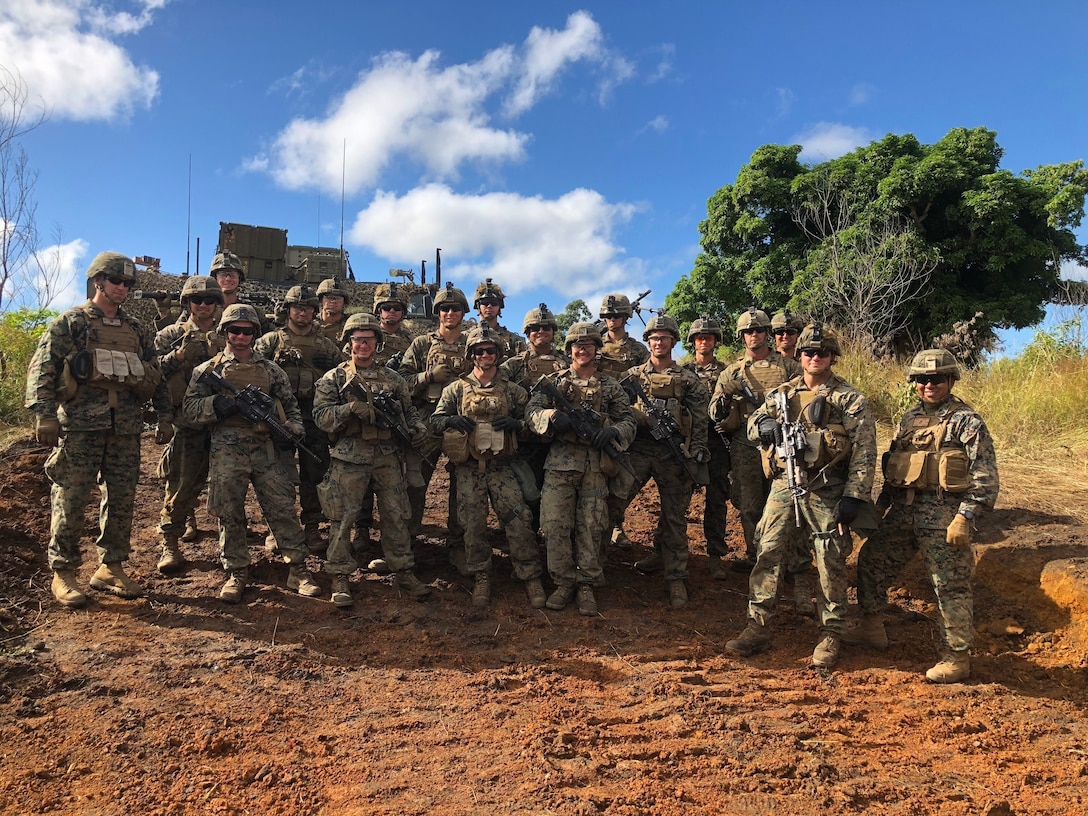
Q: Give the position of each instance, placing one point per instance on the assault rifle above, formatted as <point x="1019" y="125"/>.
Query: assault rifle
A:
<point x="789" y="443"/>
<point x="147" y="294"/>
<point x="387" y="414"/>
<point x="584" y="421"/>
<point x="749" y="395"/>
<point x="256" y="406"/>
<point x="663" y="425"/>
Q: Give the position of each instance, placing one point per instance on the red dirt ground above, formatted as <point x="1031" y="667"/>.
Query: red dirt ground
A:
<point x="179" y="704"/>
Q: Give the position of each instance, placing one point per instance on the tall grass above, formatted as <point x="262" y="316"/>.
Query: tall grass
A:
<point x="19" y="333"/>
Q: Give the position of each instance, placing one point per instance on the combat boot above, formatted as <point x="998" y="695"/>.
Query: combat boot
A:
<point x="717" y="568"/>
<point x="112" y="578"/>
<point x="171" y="558"/>
<point x="234" y="586"/>
<point x="803" y="590"/>
<point x="535" y="590"/>
<point x="481" y="592"/>
<point x="754" y="639"/>
<point x="587" y="604"/>
<point x="869" y="631"/>
<point x="192" y="532"/>
<point x="678" y="594"/>
<point x="955" y="667"/>
<point x="826" y="653"/>
<point x="66" y="590"/>
<point x="406" y="581"/>
<point x="341" y="591"/>
<point x="620" y="539"/>
<point x="651" y="563"/>
<point x="562" y="596"/>
<point x="300" y="580"/>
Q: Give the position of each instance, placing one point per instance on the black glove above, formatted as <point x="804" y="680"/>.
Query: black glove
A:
<point x="460" y="423"/>
<point x="507" y="423"/>
<point x="768" y="430"/>
<point x="884" y="500"/>
<point x="224" y="406"/>
<point x="323" y="362"/>
<point x="846" y="511"/>
<point x="604" y="437"/>
<point x="561" y="422"/>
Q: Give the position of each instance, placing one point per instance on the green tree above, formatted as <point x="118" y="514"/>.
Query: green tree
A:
<point x="980" y="238"/>
<point x="576" y="312"/>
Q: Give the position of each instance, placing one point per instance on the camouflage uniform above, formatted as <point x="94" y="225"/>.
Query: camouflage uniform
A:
<point x="717" y="490"/>
<point x="393" y="343"/>
<point x="101" y="431"/>
<point x="574" y="499"/>
<point x="616" y="357"/>
<point x="918" y="519"/>
<point x="304" y="359"/>
<point x="488" y="474"/>
<point x="366" y="461"/>
<point x="851" y="420"/>
<point x="242" y="454"/>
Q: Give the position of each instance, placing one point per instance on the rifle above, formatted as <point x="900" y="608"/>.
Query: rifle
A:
<point x="750" y="395"/>
<point x="789" y="442"/>
<point x="663" y="425"/>
<point x="387" y="414"/>
<point x="147" y="294"/>
<point x="395" y="361"/>
<point x="585" y="422"/>
<point x="256" y="406"/>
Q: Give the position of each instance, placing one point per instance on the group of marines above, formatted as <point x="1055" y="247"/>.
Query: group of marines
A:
<point x="555" y="441"/>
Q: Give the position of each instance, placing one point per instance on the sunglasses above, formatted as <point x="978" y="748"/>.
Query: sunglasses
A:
<point x="395" y="307"/>
<point x="821" y="353"/>
<point x="488" y="302"/>
<point x="119" y="281"/>
<point x="247" y="331"/>
<point x="790" y="332"/>
<point x="612" y="316"/>
<point x="227" y="273"/>
<point x="753" y="331"/>
<point x="367" y="340"/>
<point x="450" y="307"/>
<point x="930" y="379"/>
<point x="537" y="327"/>
<point x="203" y="300"/>
<point x="485" y="352"/>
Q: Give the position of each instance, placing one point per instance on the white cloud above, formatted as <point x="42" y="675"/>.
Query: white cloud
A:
<point x="547" y="52"/>
<point x="659" y="124"/>
<point x="65" y="53"/>
<point x="664" y="65"/>
<point x="1074" y="271"/>
<point x="829" y="140"/>
<point x="524" y="242"/>
<point x="785" y="98"/>
<point x="861" y="93"/>
<point x="65" y="281"/>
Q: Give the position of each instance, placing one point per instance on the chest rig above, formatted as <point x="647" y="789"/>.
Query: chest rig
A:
<point x="211" y="342"/>
<point x="922" y="457"/>
<point x="362" y="384"/>
<point x="443" y="353"/>
<point x="115" y="365"/>
<point x="485" y="405"/>
<point x="295" y="355"/>
<point x="241" y="375"/>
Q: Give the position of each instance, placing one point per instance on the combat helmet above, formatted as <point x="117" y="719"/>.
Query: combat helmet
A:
<point x="482" y="334"/>
<point x="753" y="319"/>
<point x="388" y="293"/>
<point x="583" y="331"/>
<point x="201" y="285"/>
<point x="816" y="336"/>
<point x="333" y="286"/>
<point x="487" y="290"/>
<point x="934" y="361"/>
<point x="451" y="294"/>
<point x="112" y="263"/>
<point x="228" y="260"/>
<point x="616" y="305"/>
<point x="705" y="325"/>
<point x="236" y="312"/>
<point x="786" y="319"/>
<point x="661" y="323"/>
<point x="361" y="320"/>
<point x="299" y="296"/>
<point x="540" y="316"/>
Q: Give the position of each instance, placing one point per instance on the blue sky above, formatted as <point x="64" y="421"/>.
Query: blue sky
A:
<point x="566" y="150"/>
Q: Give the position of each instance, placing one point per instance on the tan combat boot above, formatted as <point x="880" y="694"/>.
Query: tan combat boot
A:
<point x="406" y="581"/>
<point x="171" y="558"/>
<point x="620" y="539"/>
<point x="869" y="631"/>
<point x="300" y="580"/>
<point x="678" y="594"/>
<point x="234" y="586"/>
<point x="954" y="667"/>
<point x="192" y="532"/>
<point x="66" y="589"/>
<point x="341" y="591"/>
<point x="562" y="596"/>
<point x="826" y="653"/>
<point x="112" y="578"/>
<point x="587" y="604"/>
<point x="754" y="639"/>
<point x="481" y="591"/>
<point x="535" y="590"/>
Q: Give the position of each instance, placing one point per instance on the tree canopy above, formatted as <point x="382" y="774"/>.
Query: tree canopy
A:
<point x="921" y="235"/>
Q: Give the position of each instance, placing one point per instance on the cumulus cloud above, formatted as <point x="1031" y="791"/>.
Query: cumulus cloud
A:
<point x="64" y="50"/>
<point x="526" y="242"/>
<point x="434" y="116"/>
<point x="54" y="275"/>
<point x="829" y="140"/>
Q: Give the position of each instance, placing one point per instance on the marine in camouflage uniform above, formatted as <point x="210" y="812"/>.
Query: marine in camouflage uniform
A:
<point x="334" y="299"/>
<point x="304" y="353"/>
<point x="939" y="474"/>
<point x="367" y="459"/>
<point x="837" y="457"/>
<point x="244" y="453"/>
<point x="684" y="397"/>
<point x="574" y="498"/>
<point x="429" y="364"/>
<point x="184" y="463"/>
<point x="480" y="417"/>
<point x="489" y="303"/>
<point x="87" y="383"/>
<point x="230" y="273"/>
<point x="704" y="335"/>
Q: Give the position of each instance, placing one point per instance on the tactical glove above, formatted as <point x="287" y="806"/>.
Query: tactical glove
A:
<point x="224" y="406"/>
<point x="768" y="430"/>
<point x="604" y="437"/>
<point x="507" y="423"/>
<point x="460" y="423"/>
<point x="884" y="500"/>
<point x="700" y="454"/>
<point x="441" y="374"/>
<point x="364" y="410"/>
<point x="561" y="422"/>
<point x="959" y="532"/>
<point x="164" y="432"/>
<point x="846" y="511"/>
<point x="47" y="431"/>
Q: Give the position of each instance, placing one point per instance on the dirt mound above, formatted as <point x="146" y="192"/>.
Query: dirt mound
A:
<point x="179" y="704"/>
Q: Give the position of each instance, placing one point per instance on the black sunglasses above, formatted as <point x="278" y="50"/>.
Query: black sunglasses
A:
<point x="119" y="281"/>
<point x="821" y="353"/>
<point x="450" y="307"/>
<point x="536" y="327"/>
<point x="483" y="352"/>
<point x="248" y="331"/>
<point x="930" y="379"/>
<point x="203" y="300"/>
<point x="395" y="307"/>
<point x="790" y="332"/>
